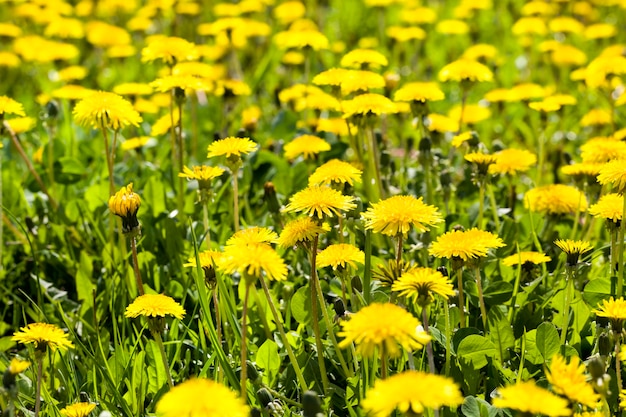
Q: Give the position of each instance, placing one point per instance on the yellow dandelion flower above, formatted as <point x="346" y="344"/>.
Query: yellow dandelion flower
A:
<point x="526" y="258"/>
<point x="201" y="397"/>
<point x="105" y="35"/>
<point x="121" y="51"/>
<point x="125" y="203"/>
<point x="545" y="106"/>
<point x="465" y="244"/>
<point x="10" y="30"/>
<point x="184" y="82"/>
<point x="382" y="326"/>
<point x="411" y="392"/>
<point x="201" y="70"/>
<point x="573" y="249"/>
<point x="335" y="171"/>
<point x="613" y="173"/>
<point x="421" y="284"/>
<point x="74" y="72"/>
<point x="600" y="69"/>
<point x="135" y="143"/>
<point x="320" y="200"/>
<point x="250" y="117"/>
<point x="300" y="230"/>
<point x="22" y="124"/>
<point x="612" y="309"/>
<point x="609" y="207"/>
<point x="306" y="145"/>
<point x="300" y="39"/>
<point x="105" y="110"/>
<point x="317" y="101"/>
<point x="169" y="49"/>
<point x="596" y="117"/>
<point x="364" y="58"/>
<point x="555" y="199"/>
<point x="465" y="70"/>
<point x="568" y="55"/>
<point x="10" y="106"/>
<point x="72" y="92"/>
<point x="472" y="113"/>
<point x="289" y="11"/>
<point x="530" y="26"/>
<point x="337" y="126"/>
<point x="452" y="27"/>
<point x="398" y="214"/>
<point x="527" y="397"/>
<point x="43" y="335"/>
<point x="482" y="161"/>
<point x="203" y="174"/>
<point x="360" y="80"/>
<point x="255" y="260"/>
<point x="569" y="380"/>
<point x="481" y="50"/>
<point x="461" y="138"/>
<point x="540" y="8"/>
<point x="441" y="123"/>
<point x="231" y="146"/>
<point x="419" y="15"/>
<point x="333" y="76"/>
<point x="340" y="256"/>
<point x="17" y="366"/>
<point x="154" y="305"/>
<point x="526" y="91"/>
<point x="582" y="170"/>
<point x="368" y="104"/>
<point x="512" y="161"/>
<point x="9" y="59"/>
<point x="565" y="24"/>
<point x="404" y="34"/>
<point x="78" y="410"/>
<point x="253" y="235"/>
<point x="208" y="258"/>
<point x="600" y="31"/>
<point x="561" y="99"/>
<point x="419" y="91"/>
<point x="601" y="150"/>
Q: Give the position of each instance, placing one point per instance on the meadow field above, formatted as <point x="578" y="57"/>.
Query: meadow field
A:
<point x="312" y="208"/>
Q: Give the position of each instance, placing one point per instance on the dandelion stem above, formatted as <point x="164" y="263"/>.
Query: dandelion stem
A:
<point x="446" y="312"/>
<point x="459" y="277"/>
<point x="283" y="336"/>
<point x="218" y="327"/>
<point x="569" y="275"/>
<point x="159" y="341"/>
<point x="614" y="234"/>
<point x="494" y="206"/>
<point x="133" y="247"/>
<point x="29" y="165"/>
<point x="618" y="363"/>
<point x="205" y="218"/>
<point x="109" y="151"/>
<point x="399" y="251"/>
<point x="236" y="199"/>
<point x="181" y="154"/>
<point x="620" y="265"/>
<point x="481" y="204"/>
<point x="244" y="348"/>
<point x="383" y="362"/>
<point x="39" y="356"/>
<point x="315" y="314"/>
<point x="481" y="298"/>
<point x="429" y="345"/>
<point x="518" y="276"/>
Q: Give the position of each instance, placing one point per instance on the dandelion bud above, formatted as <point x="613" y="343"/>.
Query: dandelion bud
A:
<point x="265" y="397"/>
<point x="311" y="406"/>
<point x="270" y="198"/>
<point x="604" y="344"/>
<point x="425" y="144"/>
<point x="125" y="203"/>
<point x="253" y="373"/>
<point x="52" y="110"/>
<point x="443" y="270"/>
<point x="340" y="308"/>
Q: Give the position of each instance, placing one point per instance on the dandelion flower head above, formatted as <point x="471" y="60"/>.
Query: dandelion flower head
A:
<point x="231" y="146"/>
<point x="364" y="58"/>
<point x="465" y="70"/>
<point x="512" y="161"/>
<point x="340" y="256"/>
<point x="43" y="335"/>
<point x="421" y="284"/>
<point x="609" y="207"/>
<point x="320" y="200"/>
<point x="78" y="410"/>
<point x="300" y="230"/>
<point x="573" y="249"/>
<point x="465" y="244"/>
<point x="382" y="326"/>
<point x="17" y="366"/>
<point x="411" y="391"/>
<point x="103" y="110"/>
<point x="252" y="235"/>
<point x="527" y="397"/>
<point x="154" y="305"/>
<point x="368" y="104"/>
<point x="10" y="106"/>
<point x="306" y="145"/>
<point x="419" y="91"/>
<point x="612" y="309"/>
<point x="201" y="397"/>
<point x="255" y="260"/>
<point x="526" y="257"/>
<point x="398" y="214"/>
<point x="614" y="173"/>
<point x="169" y="49"/>
<point x="335" y="171"/>
<point x="207" y="259"/>
<point x="125" y="204"/>
<point x="569" y="380"/>
<point x="555" y="199"/>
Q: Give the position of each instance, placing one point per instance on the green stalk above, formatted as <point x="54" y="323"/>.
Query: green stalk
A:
<point x="494" y="206"/>
<point x="205" y="219"/>
<point x="481" y="204"/>
<point x="236" y="199"/>
<point x="283" y="336"/>
<point x="429" y="345"/>
<point x="620" y="265"/>
<point x="459" y="277"/>
<point x="367" y="268"/>
<point x="569" y="276"/>
<point x="181" y="161"/>
<point x="133" y="247"/>
<point x="244" y="347"/>
<point x="446" y="310"/>
<point x="159" y="341"/>
<point x="218" y="325"/>
<point x="39" y="355"/>
<point x="614" y="262"/>
<point x="518" y="277"/>
<point x="481" y="299"/>
<point x="383" y="362"/>
<point x="314" y="318"/>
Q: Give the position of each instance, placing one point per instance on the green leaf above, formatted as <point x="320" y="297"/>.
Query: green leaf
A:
<point x="71" y="171"/>
<point x="500" y="333"/>
<point x="154" y="196"/>
<point x="498" y="292"/>
<point x="599" y="289"/>
<point x="532" y="353"/>
<point x="476" y="349"/>
<point x="84" y="286"/>
<point x="267" y="358"/>
<point x="475" y="407"/>
<point x="301" y="305"/>
<point x="547" y="340"/>
<point x="157" y="377"/>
